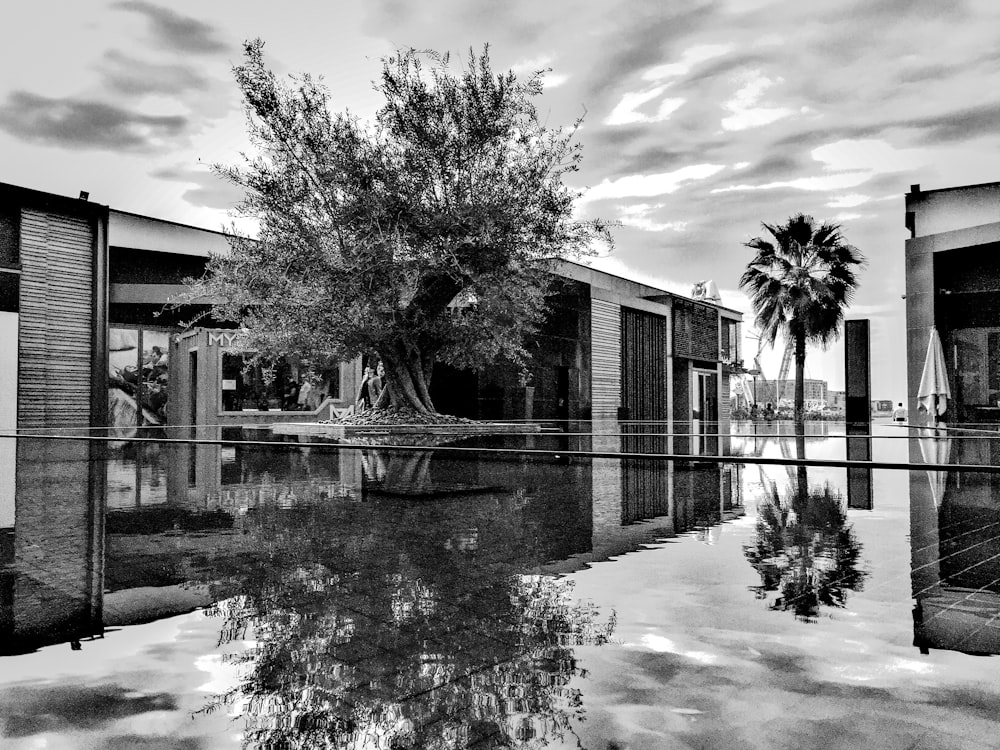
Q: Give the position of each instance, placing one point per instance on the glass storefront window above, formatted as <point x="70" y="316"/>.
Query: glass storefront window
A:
<point x="276" y="386"/>
<point x="138" y="377"/>
<point x="970" y="366"/>
<point x="138" y="381"/>
<point x="123" y="377"/>
<point x="974" y="355"/>
<point x="258" y="387"/>
<point x="155" y="374"/>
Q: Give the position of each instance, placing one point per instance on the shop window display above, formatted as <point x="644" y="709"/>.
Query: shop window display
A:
<point x="274" y="386"/>
<point x="138" y="380"/>
<point x="138" y="377"/>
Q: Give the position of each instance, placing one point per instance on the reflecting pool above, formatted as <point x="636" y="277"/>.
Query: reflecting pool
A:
<point x="561" y="589"/>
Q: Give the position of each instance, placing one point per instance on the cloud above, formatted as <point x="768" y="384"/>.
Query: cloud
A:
<point x="174" y="31"/>
<point x="532" y="65"/>
<point x="208" y="189"/>
<point x="957" y="125"/>
<point x="649" y="29"/>
<point x="543" y="65"/>
<point x="847" y="163"/>
<point x="849" y="200"/>
<point x="639" y="216"/>
<point x="128" y="75"/>
<point x="151" y="742"/>
<point x="945" y="126"/>
<point x="895" y="9"/>
<point x="689" y="59"/>
<point x="72" y="123"/>
<point x="726" y="65"/>
<point x="616" y="266"/>
<point x="552" y="80"/>
<point x="627" y="110"/>
<point x="870" y="154"/>
<point x="645" y="185"/>
<point x="821" y="182"/>
<point x="32" y="710"/>
<point x="774" y="166"/>
<point x="743" y="105"/>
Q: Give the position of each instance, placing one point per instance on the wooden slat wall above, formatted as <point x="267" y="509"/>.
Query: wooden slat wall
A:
<point x="56" y="321"/>
<point x="644" y="359"/>
<point x="605" y="358"/>
<point x="696" y="331"/>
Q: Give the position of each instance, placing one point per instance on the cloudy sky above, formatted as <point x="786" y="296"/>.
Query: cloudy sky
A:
<point x="702" y="118"/>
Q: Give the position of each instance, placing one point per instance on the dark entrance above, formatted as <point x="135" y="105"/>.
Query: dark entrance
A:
<point x="455" y="391"/>
<point x="193" y="389"/>
<point x="562" y="392"/>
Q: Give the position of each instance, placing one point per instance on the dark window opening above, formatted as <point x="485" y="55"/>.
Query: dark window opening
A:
<point x="10" y="238"/>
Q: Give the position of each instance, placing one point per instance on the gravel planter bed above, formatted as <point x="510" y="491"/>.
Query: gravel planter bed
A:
<point x="404" y="422"/>
<point x="400" y="417"/>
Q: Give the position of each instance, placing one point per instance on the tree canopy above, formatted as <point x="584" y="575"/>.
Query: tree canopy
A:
<point x="424" y="235"/>
<point x="800" y="281"/>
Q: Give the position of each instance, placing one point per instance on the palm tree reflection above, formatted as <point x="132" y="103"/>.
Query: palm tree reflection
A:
<point x="398" y="640"/>
<point x="805" y="550"/>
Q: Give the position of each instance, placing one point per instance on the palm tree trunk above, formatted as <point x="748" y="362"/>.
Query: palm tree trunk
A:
<point x="800" y="412"/>
<point x="800" y="374"/>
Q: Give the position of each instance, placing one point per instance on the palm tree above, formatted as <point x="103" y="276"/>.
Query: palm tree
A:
<point x="799" y="283"/>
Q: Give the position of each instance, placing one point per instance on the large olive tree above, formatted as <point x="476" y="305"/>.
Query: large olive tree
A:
<point x="424" y="235"/>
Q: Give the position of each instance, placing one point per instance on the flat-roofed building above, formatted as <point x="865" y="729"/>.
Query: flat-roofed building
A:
<point x="953" y="284"/>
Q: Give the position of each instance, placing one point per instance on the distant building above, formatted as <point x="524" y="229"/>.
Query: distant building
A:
<point x="776" y="390"/>
<point x="953" y="283"/>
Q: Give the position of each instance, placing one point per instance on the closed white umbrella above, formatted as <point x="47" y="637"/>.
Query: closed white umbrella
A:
<point x="934" y="392"/>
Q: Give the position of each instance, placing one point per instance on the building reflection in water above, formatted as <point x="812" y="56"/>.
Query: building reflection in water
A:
<point x="405" y="602"/>
<point x="51" y="560"/>
<point x="955" y="533"/>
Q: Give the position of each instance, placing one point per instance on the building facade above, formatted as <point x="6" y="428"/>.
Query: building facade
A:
<point x="611" y="348"/>
<point x="953" y="284"/>
<point x="90" y="339"/>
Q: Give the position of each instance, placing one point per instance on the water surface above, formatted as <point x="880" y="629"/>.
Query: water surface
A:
<point x="156" y="594"/>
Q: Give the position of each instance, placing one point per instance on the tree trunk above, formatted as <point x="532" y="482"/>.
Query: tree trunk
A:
<point x="407" y="381"/>
<point x="800" y="412"/>
<point x="800" y="375"/>
<point x="801" y="472"/>
<point x="408" y="471"/>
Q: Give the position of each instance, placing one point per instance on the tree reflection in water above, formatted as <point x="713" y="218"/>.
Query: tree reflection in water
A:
<point x="400" y="638"/>
<point x="805" y="550"/>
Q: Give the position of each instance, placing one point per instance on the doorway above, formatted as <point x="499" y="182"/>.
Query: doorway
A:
<point x="704" y="411"/>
